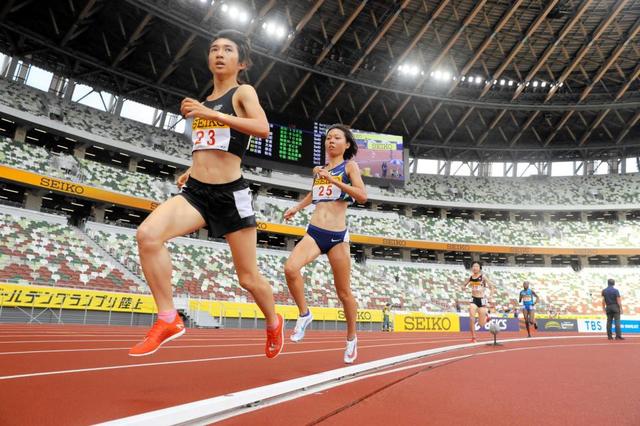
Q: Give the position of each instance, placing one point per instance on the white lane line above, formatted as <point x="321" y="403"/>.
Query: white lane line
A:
<point x="414" y="341"/>
<point x="187" y="361"/>
<point x="210" y="410"/>
<point x="320" y="388"/>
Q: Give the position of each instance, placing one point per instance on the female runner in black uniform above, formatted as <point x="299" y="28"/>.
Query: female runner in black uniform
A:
<point x="479" y="303"/>
<point x="214" y="194"/>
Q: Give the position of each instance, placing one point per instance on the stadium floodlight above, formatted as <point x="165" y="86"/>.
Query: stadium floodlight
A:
<point x="235" y="13"/>
<point x="463" y="78"/>
<point x="543" y="84"/>
<point x="478" y="79"/>
<point x="510" y="83"/>
<point x="243" y="16"/>
<point x="410" y="69"/>
<point x="535" y="84"/>
<point x="441" y="75"/>
<point x="502" y="82"/>
<point x="273" y="29"/>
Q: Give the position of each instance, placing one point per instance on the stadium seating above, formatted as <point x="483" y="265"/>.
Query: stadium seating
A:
<point x="204" y="269"/>
<point x="33" y="250"/>
<point x="573" y="190"/>
<point x="553" y="234"/>
<point x="37" y="102"/>
<point x="37" y="159"/>
<point x="39" y="249"/>
<point x="388" y="224"/>
<point x="499" y="191"/>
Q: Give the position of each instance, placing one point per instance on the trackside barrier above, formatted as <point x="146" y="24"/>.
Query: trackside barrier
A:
<point x="504" y="324"/>
<point x="557" y="325"/>
<point x="419" y="322"/>
<point x="600" y="326"/>
<point x="46" y="304"/>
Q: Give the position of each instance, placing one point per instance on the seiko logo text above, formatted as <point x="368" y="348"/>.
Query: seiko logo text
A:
<point x="427" y="323"/>
<point x="62" y="186"/>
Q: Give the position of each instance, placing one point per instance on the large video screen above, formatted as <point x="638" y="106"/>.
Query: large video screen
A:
<point x="380" y="156"/>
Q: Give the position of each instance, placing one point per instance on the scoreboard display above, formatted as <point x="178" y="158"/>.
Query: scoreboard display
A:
<point x="380" y="156"/>
<point x="288" y="145"/>
<point x="299" y="150"/>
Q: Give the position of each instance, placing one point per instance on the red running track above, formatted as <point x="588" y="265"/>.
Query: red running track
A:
<point x="76" y="375"/>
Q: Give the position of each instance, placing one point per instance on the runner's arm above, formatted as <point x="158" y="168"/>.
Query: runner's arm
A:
<point x="305" y="202"/>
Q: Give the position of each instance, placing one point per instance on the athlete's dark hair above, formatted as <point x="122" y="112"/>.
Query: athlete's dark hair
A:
<point x="611" y="281"/>
<point x="241" y="40"/>
<point x="474" y="262"/>
<point x="352" y="149"/>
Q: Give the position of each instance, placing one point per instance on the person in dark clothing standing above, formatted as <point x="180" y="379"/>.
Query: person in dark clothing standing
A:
<point x="612" y="305"/>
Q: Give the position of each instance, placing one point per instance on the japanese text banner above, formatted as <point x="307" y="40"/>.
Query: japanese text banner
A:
<point x="14" y="295"/>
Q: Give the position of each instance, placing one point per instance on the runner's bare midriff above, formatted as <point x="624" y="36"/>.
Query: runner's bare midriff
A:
<point x="215" y="167"/>
<point x="330" y="216"/>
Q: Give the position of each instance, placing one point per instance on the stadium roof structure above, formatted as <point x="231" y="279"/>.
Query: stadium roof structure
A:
<point x="499" y="80"/>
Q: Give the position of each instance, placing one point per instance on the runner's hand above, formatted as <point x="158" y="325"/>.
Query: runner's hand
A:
<point x="290" y="213"/>
<point x="324" y="173"/>
<point x="192" y="108"/>
<point x="183" y="179"/>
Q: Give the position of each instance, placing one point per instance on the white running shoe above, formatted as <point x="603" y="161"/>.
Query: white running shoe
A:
<point x="301" y="325"/>
<point x="351" y="352"/>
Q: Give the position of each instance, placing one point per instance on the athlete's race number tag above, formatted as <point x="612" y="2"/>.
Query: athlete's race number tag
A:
<point x="209" y="134"/>
<point x="526" y="299"/>
<point x="325" y="190"/>
<point x="484" y="302"/>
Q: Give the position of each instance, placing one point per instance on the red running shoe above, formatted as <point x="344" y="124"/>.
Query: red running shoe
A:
<point x="275" y="339"/>
<point x="161" y="333"/>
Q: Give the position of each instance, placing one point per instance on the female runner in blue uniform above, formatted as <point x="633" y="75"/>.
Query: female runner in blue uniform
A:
<point x="528" y="298"/>
<point x="214" y="194"/>
<point x="335" y="186"/>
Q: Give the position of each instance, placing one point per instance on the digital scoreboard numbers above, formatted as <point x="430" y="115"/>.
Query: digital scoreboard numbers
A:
<point x="288" y="146"/>
<point x="262" y="146"/>
<point x="319" y="131"/>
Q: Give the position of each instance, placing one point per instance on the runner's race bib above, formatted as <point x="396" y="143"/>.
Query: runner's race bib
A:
<point x="324" y="190"/>
<point x="210" y="134"/>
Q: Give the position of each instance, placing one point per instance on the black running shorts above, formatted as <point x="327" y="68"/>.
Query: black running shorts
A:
<point x="225" y="207"/>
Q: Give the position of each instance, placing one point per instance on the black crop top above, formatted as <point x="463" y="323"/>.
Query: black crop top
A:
<point x="210" y="134"/>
